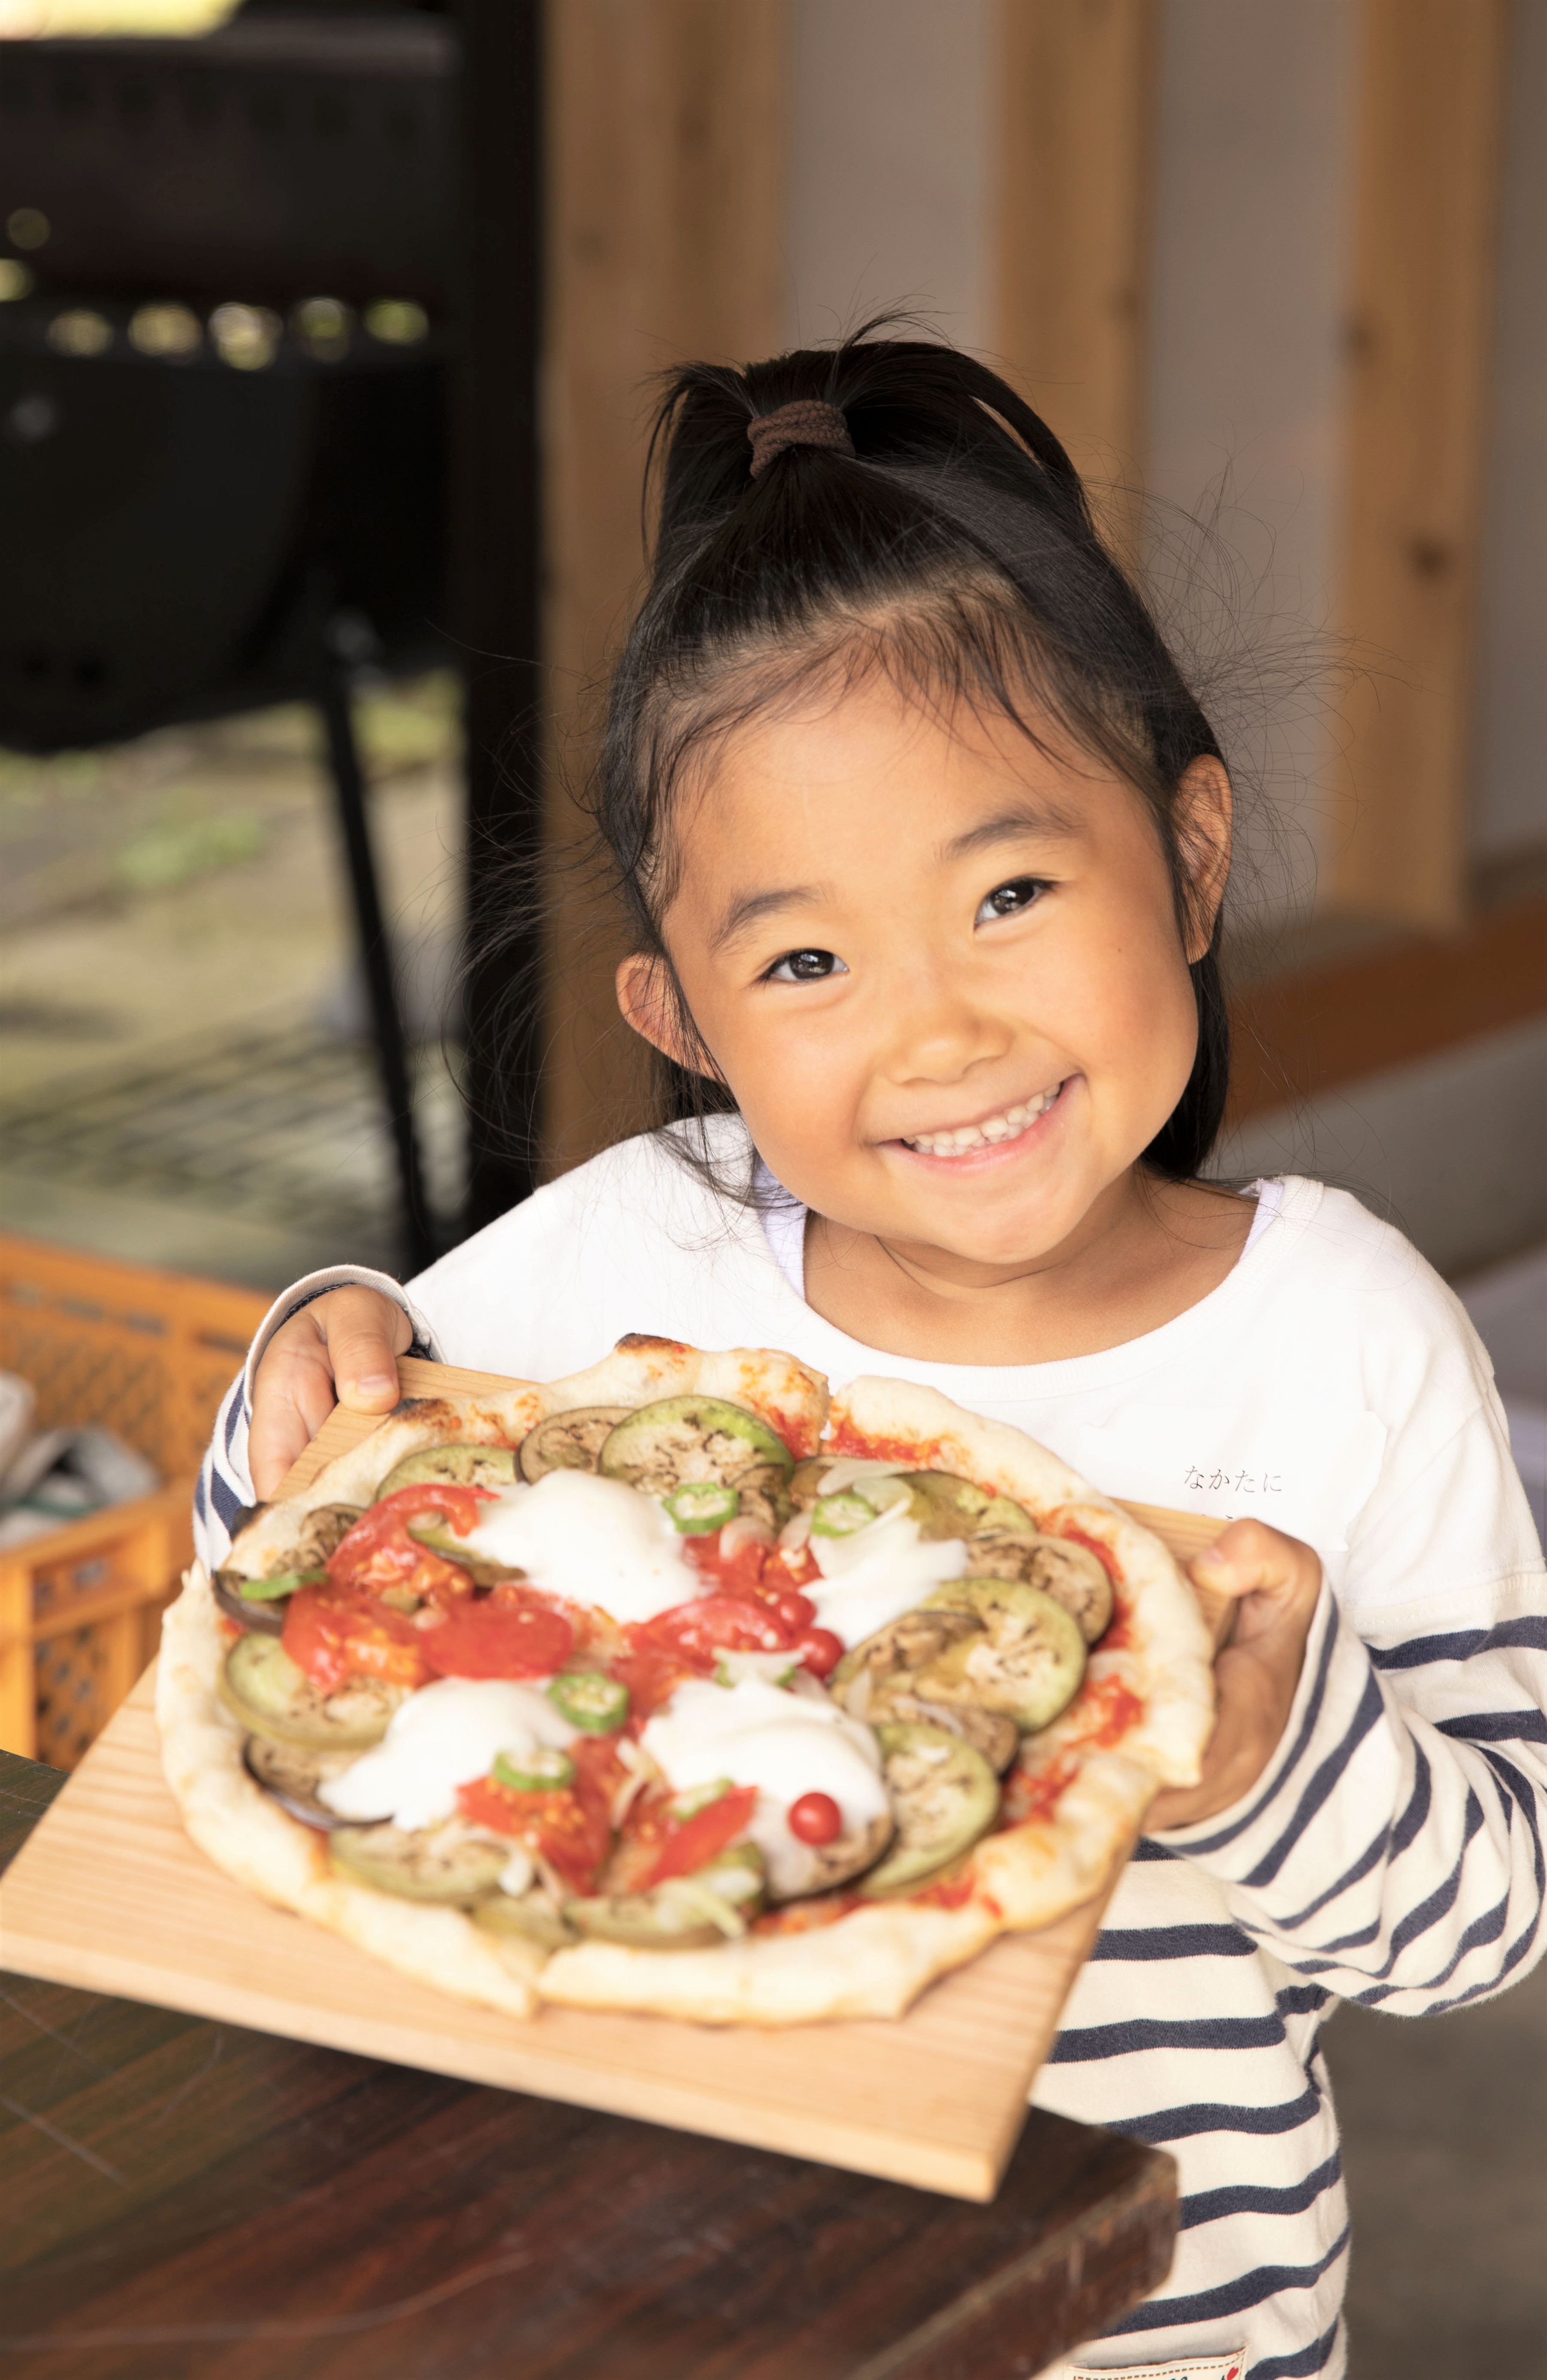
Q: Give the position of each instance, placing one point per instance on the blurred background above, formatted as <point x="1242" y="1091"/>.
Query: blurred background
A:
<point x="325" y="337"/>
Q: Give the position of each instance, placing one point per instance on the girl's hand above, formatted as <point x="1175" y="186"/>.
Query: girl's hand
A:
<point x="1276" y="1581"/>
<point x="341" y="1348"/>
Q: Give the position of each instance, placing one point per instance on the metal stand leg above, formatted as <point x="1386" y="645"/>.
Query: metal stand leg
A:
<point x="417" y="1239"/>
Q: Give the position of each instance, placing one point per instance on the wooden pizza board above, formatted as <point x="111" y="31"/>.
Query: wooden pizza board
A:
<point x="109" y="1895"/>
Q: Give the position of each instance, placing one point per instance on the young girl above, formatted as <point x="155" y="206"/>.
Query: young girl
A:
<point x="923" y="839"/>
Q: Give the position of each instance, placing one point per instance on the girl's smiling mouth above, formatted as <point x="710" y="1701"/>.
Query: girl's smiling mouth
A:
<point x="993" y="1131"/>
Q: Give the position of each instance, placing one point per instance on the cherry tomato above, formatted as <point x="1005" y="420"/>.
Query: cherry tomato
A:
<point x="476" y="1641"/>
<point x="378" y="1552"/>
<point x="818" y="1650"/>
<point x="335" y="1637"/>
<point x="795" y="1610"/>
<point x="815" y="1818"/>
<point x="718" y="1624"/>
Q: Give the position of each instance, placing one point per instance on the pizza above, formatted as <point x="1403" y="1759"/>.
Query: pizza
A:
<point x="683" y="1686"/>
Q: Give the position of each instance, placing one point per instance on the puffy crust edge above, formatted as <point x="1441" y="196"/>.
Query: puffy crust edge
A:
<point x="788" y="1394"/>
<point x="250" y="1838"/>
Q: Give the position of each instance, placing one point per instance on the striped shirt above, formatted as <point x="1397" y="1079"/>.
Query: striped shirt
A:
<point x="1392" y="1852"/>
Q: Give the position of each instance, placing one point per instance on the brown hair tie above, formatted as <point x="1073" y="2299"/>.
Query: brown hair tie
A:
<point x="806" y="421"/>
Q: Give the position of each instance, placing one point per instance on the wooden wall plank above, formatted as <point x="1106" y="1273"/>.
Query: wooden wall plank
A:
<point x="1071" y="224"/>
<point x="666" y="186"/>
<point x="1425" y="207"/>
<point x="1312" y="1032"/>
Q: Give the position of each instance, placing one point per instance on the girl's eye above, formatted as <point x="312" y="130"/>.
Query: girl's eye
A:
<point x="1007" y="900"/>
<point x="804" y="966"/>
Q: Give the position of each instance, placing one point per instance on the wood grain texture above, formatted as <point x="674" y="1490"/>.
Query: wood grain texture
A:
<point x="190" y="2201"/>
<point x="111" y="1895"/>
<point x="1420" y="335"/>
<point x="667" y="136"/>
<point x="1074" y="100"/>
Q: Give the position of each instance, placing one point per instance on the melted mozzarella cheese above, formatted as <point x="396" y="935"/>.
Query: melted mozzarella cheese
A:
<point x="878" y="1572"/>
<point x="784" y="1744"/>
<point x="593" y="1540"/>
<point x="443" y="1736"/>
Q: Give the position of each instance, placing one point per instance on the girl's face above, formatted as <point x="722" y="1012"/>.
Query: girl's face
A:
<point x="940" y="971"/>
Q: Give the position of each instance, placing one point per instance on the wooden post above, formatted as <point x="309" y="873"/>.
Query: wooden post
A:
<point x="496" y="580"/>
<point x="667" y="123"/>
<point x="1426" y="189"/>
<point x="1075" y="80"/>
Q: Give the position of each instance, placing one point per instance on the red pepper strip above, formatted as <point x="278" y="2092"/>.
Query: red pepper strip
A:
<point x="524" y="1640"/>
<point x="572" y="1830"/>
<point x="378" y="1552"/>
<point x="689" y="1844"/>
<point x="652" y="1674"/>
<point x="335" y="1637"/>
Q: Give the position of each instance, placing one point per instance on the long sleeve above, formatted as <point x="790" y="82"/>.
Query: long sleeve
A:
<point x="1393" y="1854"/>
<point x="224" y="1489"/>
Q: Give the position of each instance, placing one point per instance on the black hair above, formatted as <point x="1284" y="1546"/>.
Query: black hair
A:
<point x="956" y="551"/>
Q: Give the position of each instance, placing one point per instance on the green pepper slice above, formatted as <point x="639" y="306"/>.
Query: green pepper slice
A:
<point x="590" y="1700"/>
<point x="543" y="1770"/>
<point x="700" y="1506"/>
<point x="840" y="1515"/>
<point x="284" y="1581"/>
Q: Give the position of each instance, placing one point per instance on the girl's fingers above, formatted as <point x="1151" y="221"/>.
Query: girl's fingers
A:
<point x="364" y="1333"/>
<point x="342" y="1349"/>
<point x="1250" y="1559"/>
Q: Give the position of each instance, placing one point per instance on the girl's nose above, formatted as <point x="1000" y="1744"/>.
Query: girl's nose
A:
<point x="937" y="1032"/>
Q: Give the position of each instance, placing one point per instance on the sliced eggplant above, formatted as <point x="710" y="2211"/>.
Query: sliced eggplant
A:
<point x="945" y="1505"/>
<point x="1025" y="1660"/>
<point x="1070" y="1573"/>
<point x="458" y="1466"/>
<point x="535" y="1918"/>
<point x="450" y="1863"/>
<point x="997" y="1738"/>
<point x="265" y="1618"/>
<point x="442" y="1538"/>
<point x="796" y="1869"/>
<point x="906" y="1644"/>
<point x="805" y="1485"/>
<point x="662" y="1446"/>
<point x="569" y="1441"/>
<point x="263" y="1687"/>
<point x="944" y="1796"/>
<point x="292" y="1772"/>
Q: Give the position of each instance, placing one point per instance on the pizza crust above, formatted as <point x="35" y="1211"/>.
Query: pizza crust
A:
<point x="789" y="1395"/>
<point x="251" y="1839"/>
<point x="872" y="1962"/>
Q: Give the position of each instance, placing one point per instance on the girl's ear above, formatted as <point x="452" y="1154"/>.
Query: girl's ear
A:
<point x="1201" y="818"/>
<point x="644" y="996"/>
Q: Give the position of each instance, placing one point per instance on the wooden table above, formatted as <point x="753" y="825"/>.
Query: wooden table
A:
<point x="188" y="2201"/>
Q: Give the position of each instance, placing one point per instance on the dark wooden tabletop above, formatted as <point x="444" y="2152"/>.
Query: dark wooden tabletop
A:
<point x="187" y="2201"/>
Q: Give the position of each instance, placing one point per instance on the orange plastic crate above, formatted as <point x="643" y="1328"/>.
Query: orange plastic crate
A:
<point x="147" y="1354"/>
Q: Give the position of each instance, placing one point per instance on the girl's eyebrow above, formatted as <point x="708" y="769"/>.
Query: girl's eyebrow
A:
<point x="1039" y="819"/>
<point x="748" y="907"/>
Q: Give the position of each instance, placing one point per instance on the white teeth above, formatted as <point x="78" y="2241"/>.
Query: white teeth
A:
<point x="962" y="1138"/>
